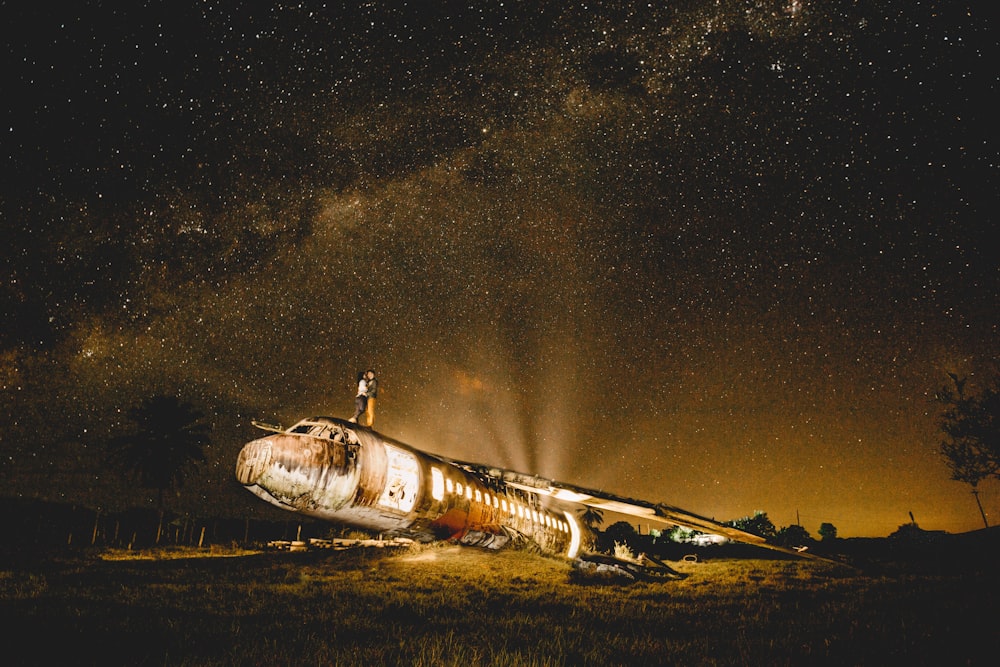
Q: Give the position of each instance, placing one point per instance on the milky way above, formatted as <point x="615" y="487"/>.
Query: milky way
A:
<point x="715" y="254"/>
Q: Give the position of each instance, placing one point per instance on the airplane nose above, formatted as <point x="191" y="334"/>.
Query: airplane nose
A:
<point x="253" y="461"/>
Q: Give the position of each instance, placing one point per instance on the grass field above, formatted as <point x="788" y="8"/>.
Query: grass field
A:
<point x="451" y="605"/>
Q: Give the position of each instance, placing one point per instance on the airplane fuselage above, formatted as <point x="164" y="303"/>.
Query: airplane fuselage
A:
<point x="337" y="471"/>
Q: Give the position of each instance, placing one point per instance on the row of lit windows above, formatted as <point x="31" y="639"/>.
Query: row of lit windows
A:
<point x="441" y="485"/>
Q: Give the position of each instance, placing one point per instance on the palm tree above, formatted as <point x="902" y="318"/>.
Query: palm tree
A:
<point x="591" y="517"/>
<point x="170" y="436"/>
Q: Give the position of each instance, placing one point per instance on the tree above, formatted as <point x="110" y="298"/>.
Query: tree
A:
<point x="827" y="531"/>
<point x="621" y="532"/>
<point x="591" y="517"/>
<point x="758" y="524"/>
<point x="971" y="424"/>
<point x="793" y="536"/>
<point x="169" y="437"/>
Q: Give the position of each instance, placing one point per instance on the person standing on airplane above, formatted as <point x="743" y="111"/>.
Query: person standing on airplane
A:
<point x="371" y="393"/>
<point x="361" y="399"/>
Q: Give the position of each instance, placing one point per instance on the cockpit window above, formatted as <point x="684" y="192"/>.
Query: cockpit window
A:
<point x="312" y="429"/>
<point x="326" y="430"/>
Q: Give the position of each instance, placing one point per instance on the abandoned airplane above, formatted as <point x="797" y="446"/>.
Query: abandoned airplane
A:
<point x="347" y="474"/>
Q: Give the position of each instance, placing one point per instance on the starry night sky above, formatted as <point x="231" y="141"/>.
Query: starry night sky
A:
<point x="719" y="254"/>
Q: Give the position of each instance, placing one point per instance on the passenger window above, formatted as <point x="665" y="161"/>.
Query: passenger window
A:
<point x="437" y="484"/>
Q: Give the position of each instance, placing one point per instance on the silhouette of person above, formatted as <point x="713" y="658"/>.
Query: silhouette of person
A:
<point x="371" y="393"/>
<point x="361" y="398"/>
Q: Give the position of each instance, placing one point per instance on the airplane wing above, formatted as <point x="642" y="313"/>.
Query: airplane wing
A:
<point x="661" y="512"/>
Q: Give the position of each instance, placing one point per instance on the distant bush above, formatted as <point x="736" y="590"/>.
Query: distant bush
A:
<point x="618" y="532"/>
<point x="793" y="536"/>
<point x="827" y="531"/>
<point x="758" y="524"/>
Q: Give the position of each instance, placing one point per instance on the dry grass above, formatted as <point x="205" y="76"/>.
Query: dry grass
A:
<point x="449" y="605"/>
<point x="173" y="553"/>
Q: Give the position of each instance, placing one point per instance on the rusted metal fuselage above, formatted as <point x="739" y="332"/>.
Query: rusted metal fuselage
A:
<point x="346" y="474"/>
